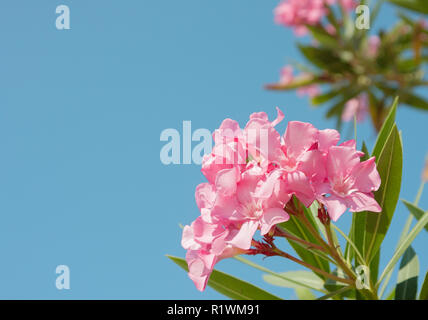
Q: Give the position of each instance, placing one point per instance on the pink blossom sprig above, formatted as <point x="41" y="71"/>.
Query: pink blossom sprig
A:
<point x="298" y="14"/>
<point x="254" y="172"/>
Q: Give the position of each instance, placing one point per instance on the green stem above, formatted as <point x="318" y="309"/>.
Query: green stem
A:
<point x="281" y="233"/>
<point x="419" y="194"/>
<point x="335" y="254"/>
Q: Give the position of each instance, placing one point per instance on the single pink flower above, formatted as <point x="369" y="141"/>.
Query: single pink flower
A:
<point x="356" y="107"/>
<point x="350" y="183"/>
<point x="301" y="160"/>
<point x="373" y="44"/>
<point x="206" y="244"/>
<point x="257" y="204"/>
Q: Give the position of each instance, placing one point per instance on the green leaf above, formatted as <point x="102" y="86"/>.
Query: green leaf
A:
<point x="389" y="165"/>
<point x="385" y="131"/>
<point x="335" y="287"/>
<point x="295" y="282"/>
<point x="319" y="99"/>
<point x="301" y="279"/>
<point x="407" y="283"/>
<point x="324" y="58"/>
<point x="408" y="65"/>
<point x="413" y="100"/>
<point x="357" y="234"/>
<point x="420" y="6"/>
<point x="323" y="36"/>
<point x="415" y="211"/>
<point x="423" y="295"/>
<point x="304" y="294"/>
<point x="374" y="267"/>
<point x="230" y="286"/>
<point x="339" y="292"/>
<point x="404" y="245"/>
<point x="391" y="295"/>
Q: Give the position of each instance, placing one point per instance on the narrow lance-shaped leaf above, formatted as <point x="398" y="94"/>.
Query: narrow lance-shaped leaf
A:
<point x="301" y="279"/>
<point x="296" y="83"/>
<point x="292" y="279"/>
<point x="230" y="286"/>
<point x="420" y="6"/>
<point x="407" y="283"/>
<point x="374" y="267"/>
<point x="386" y="129"/>
<point x="304" y="294"/>
<point x="423" y="295"/>
<point x="324" y="58"/>
<point x="413" y="100"/>
<point x="404" y="245"/>
<point x="319" y="99"/>
<point x="325" y="38"/>
<point x="389" y="165"/>
<point x="415" y="211"/>
<point x="334" y="286"/>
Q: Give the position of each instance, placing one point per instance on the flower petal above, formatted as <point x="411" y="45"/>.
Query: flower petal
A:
<point x="359" y="201"/>
<point x="335" y="206"/>
<point x="245" y="235"/>
<point x="272" y="217"/>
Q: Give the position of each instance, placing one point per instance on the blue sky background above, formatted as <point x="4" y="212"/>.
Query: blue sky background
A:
<point x="81" y="112"/>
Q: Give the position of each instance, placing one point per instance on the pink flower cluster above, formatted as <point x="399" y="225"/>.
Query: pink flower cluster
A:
<point x="300" y="13"/>
<point x="253" y="172"/>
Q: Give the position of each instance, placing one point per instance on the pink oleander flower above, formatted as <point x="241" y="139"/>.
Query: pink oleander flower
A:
<point x="330" y="29"/>
<point x="299" y="13"/>
<point x="312" y="91"/>
<point x="350" y="183"/>
<point x="373" y="44"/>
<point x="252" y="174"/>
<point x="356" y="107"/>
<point x="206" y="244"/>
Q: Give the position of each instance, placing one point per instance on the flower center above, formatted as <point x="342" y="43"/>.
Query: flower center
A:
<point x="341" y="187"/>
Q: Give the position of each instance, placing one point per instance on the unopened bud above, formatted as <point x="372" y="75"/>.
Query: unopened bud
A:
<point x="425" y="171"/>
